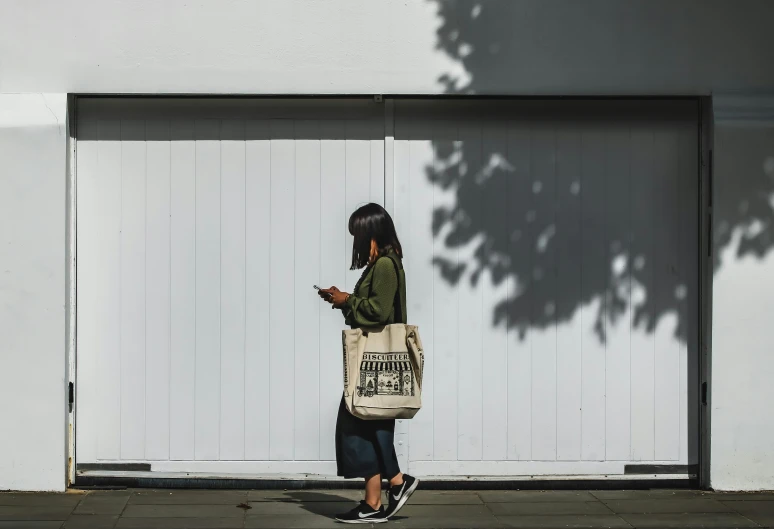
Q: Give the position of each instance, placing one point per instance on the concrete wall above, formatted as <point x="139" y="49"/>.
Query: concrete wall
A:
<point x="385" y="46"/>
<point x="743" y="296"/>
<point x="33" y="148"/>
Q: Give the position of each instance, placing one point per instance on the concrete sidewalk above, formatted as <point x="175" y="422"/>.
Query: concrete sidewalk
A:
<point x="139" y="509"/>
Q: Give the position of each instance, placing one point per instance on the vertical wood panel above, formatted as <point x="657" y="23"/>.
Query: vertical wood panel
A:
<point x="519" y="397"/>
<point x="471" y="307"/>
<point x="494" y="381"/>
<point x="307" y="303"/>
<point x="419" y="282"/>
<point x="358" y="181"/>
<point x="401" y="166"/>
<point x="91" y="281"/>
<point x="667" y="356"/>
<point x="402" y="217"/>
<point x="257" y="289"/>
<point x="445" y="310"/>
<point x="618" y="334"/>
<point x="158" y="308"/>
<point x="542" y="219"/>
<point x="377" y="161"/>
<point x="569" y="280"/>
<point x="282" y="292"/>
<point x="133" y="289"/>
<point x="109" y="363"/>
<point x="334" y="243"/>
<point x="642" y="340"/>
<point x="208" y="244"/>
<point x="183" y="291"/>
<point x="594" y="264"/>
<point x="232" y="291"/>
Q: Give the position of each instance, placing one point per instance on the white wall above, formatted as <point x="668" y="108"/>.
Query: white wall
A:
<point x="384" y="46"/>
<point x="33" y="147"/>
<point x="743" y="292"/>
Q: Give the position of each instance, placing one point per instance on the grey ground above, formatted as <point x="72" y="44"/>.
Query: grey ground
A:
<point x="130" y="509"/>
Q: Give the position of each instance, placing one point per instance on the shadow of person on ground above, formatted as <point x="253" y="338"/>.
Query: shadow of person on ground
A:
<point x="323" y="503"/>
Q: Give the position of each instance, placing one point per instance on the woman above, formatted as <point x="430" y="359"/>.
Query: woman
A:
<point x="365" y="449"/>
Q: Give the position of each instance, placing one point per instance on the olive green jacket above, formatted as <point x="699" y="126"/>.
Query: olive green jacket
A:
<point x="373" y="302"/>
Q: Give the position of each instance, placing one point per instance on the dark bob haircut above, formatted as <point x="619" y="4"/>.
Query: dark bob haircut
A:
<point x="372" y="222"/>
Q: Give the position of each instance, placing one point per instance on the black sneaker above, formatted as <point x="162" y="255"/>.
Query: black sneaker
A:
<point x="400" y="494"/>
<point x="363" y="513"/>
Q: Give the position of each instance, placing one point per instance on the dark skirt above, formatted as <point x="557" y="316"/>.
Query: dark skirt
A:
<point x="365" y="448"/>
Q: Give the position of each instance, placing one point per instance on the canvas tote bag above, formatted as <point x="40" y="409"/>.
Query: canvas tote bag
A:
<point x="383" y="370"/>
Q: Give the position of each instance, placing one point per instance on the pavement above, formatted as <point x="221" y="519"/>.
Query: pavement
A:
<point x="211" y="509"/>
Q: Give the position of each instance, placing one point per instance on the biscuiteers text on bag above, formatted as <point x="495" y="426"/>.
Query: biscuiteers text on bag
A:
<point x="383" y="372"/>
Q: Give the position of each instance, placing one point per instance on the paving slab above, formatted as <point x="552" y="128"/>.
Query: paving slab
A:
<point x="763" y="520"/>
<point x="188" y="497"/>
<point x="649" y="494"/>
<point x="182" y="511"/>
<point x="34" y="513"/>
<point x="567" y="507"/>
<point x="443" y="522"/>
<point x="112" y="493"/>
<point x="606" y="521"/>
<point x="444" y="497"/>
<point x="693" y="520"/>
<point x="108" y="504"/>
<point x="751" y="507"/>
<point x="534" y="496"/>
<point x="31" y="525"/>
<point x="289" y="521"/>
<point x="179" y="523"/>
<point x="305" y="495"/>
<point x="297" y="508"/>
<point x="45" y="499"/>
<point x="451" y="511"/>
<point x="741" y="496"/>
<point x="655" y="506"/>
<point x="88" y="521"/>
<point x="761" y="512"/>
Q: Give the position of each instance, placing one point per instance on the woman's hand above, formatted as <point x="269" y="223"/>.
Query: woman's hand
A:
<point x="334" y="296"/>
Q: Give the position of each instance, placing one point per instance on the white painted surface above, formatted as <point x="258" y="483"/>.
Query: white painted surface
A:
<point x="33" y="148"/>
<point x="557" y="345"/>
<point x="202" y="228"/>
<point x="743" y="296"/>
<point x="382" y="46"/>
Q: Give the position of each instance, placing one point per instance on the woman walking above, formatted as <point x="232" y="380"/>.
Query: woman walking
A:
<point x="365" y="448"/>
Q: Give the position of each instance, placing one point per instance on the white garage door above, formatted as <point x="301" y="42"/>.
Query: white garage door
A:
<point x="552" y="252"/>
<point x="551" y="260"/>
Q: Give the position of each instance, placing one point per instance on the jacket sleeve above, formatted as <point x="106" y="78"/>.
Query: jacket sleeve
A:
<point x="376" y="308"/>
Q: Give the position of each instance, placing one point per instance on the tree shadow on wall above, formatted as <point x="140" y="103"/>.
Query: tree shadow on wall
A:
<point x="617" y="234"/>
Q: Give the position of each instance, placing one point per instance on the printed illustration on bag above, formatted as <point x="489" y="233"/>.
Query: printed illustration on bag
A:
<point x="386" y="374"/>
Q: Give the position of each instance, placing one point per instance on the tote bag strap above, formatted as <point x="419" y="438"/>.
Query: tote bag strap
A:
<point x="398" y="301"/>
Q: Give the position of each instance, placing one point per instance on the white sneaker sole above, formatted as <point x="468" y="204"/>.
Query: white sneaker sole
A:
<point x="404" y="499"/>
<point x="363" y="520"/>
